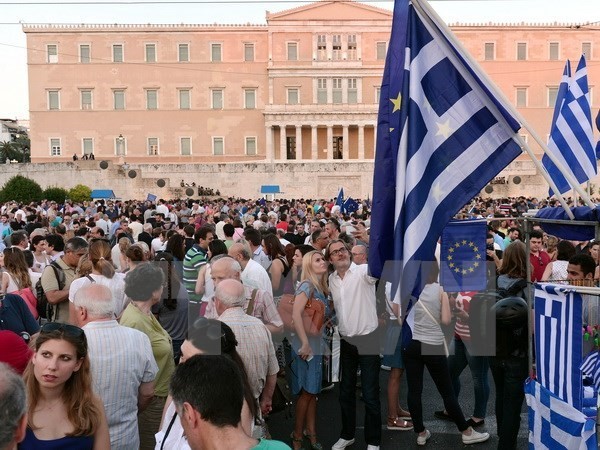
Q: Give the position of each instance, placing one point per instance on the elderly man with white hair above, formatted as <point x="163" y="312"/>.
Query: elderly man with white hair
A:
<point x="13" y="408"/>
<point x="123" y="366"/>
<point x="254" y="341"/>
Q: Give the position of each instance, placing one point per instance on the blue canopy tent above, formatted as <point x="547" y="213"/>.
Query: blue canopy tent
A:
<point x="270" y="189"/>
<point x="104" y="194"/>
<point x="555" y="221"/>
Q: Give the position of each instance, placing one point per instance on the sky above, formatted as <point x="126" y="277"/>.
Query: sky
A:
<point x="13" y="63"/>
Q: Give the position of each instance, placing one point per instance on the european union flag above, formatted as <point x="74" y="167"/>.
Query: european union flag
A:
<point x="462" y="259"/>
<point x="350" y="205"/>
<point x="339" y="201"/>
<point x="442" y="135"/>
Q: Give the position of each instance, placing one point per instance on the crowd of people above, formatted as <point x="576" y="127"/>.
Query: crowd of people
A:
<point x="159" y="325"/>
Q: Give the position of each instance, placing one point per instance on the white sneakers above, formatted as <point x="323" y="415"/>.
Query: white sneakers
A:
<point x="475" y="437"/>
<point x="341" y="444"/>
<point x="422" y="440"/>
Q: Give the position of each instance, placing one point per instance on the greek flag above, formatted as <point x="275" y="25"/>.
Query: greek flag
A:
<point x="571" y="134"/>
<point x="591" y="367"/>
<point x="558" y="325"/>
<point x="442" y="136"/>
<point x="554" y="424"/>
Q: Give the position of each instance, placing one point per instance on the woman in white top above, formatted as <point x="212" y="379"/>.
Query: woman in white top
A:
<point x="40" y="258"/>
<point x="556" y="271"/>
<point x="428" y="349"/>
<point x="16" y="280"/>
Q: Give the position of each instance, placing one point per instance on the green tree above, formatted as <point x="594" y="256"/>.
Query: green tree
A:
<point x="18" y="150"/>
<point x="56" y="194"/>
<point x="80" y="193"/>
<point x="21" y="189"/>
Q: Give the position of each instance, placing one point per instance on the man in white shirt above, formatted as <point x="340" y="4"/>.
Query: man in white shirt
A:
<point x="162" y="208"/>
<point x="122" y="363"/>
<point x="353" y="293"/>
<point x="253" y="274"/>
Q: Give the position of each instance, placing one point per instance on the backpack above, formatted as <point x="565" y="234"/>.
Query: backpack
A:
<point x="46" y="310"/>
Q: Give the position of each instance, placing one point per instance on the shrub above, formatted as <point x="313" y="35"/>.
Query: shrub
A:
<point x="56" y="194"/>
<point x="21" y="189"/>
<point x="80" y="193"/>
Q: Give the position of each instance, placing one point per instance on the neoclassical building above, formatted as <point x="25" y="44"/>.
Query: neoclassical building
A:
<point x="304" y="86"/>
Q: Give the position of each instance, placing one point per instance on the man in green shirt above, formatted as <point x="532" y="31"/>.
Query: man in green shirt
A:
<point x="209" y="393"/>
<point x="194" y="259"/>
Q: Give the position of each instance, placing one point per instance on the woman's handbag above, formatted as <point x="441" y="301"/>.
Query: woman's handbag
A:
<point x="313" y="315"/>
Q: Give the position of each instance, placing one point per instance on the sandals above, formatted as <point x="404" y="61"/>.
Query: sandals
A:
<point x="295" y="440"/>
<point x="316" y="445"/>
<point x="399" y="424"/>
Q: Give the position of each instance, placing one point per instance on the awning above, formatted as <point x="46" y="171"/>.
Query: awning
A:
<point x="270" y="189"/>
<point x="103" y="193"/>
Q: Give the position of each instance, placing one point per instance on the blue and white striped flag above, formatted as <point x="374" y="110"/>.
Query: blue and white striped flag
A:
<point x="441" y="137"/>
<point x="591" y="367"/>
<point x="554" y="424"/>
<point x="571" y="134"/>
<point x="558" y="325"/>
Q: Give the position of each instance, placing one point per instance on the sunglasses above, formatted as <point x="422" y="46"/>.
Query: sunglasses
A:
<point x="68" y="330"/>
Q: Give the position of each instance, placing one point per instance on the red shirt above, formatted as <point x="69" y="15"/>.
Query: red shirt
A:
<point x="283" y="225"/>
<point x="538" y="264"/>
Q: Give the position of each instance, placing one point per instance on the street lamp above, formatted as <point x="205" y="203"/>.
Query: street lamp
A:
<point x="120" y="142"/>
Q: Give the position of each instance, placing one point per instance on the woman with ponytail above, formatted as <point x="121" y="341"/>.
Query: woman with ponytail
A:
<point x="99" y="268"/>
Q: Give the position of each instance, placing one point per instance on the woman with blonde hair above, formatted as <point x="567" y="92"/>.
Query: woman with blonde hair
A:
<point x="63" y="411"/>
<point x="307" y="350"/>
<point x="16" y="279"/>
<point x="97" y="267"/>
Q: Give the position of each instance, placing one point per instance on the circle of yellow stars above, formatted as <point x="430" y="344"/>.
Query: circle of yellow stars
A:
<point x="456" y="246"/>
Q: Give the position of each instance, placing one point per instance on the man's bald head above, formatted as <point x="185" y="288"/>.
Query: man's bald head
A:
<point x="225" y="268"/>
<point x="97" y="300"/>
<point x="230" y="293"/>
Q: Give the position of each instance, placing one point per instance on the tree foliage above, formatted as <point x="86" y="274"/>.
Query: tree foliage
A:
<point x="80" y="193"/>
<point x="21" y="189"/>
<point x="56" y="194"/>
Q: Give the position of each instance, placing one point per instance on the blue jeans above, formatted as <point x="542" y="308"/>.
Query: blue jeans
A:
<point x="509" y="376"/>
<point x="350" y="360"/>
<point x="479" y="366"/>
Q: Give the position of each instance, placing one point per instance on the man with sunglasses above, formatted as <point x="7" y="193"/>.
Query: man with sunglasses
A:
<point x="538" y="258"/>
<point x="56" y="292"/>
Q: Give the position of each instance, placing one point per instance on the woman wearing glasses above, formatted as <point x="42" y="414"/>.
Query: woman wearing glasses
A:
<point x="63" y="411"/>
<point x="206" y="337"/>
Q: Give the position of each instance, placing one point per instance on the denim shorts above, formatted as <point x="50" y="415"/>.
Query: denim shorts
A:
<point x="392" y="354"/>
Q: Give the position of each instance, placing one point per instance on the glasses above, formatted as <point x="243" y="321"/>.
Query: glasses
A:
<point x="339" y="251"/>
<point x="68" y="330"/>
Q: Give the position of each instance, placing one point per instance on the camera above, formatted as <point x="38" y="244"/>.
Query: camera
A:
<point x="489" y="246"/>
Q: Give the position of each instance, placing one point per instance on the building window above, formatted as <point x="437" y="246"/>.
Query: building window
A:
<point x="381" y="50"/>
<point x="150" y="52"/>
<point x="352" y="47"/>
<point x="184" y="99"/>
<point x="337" y="90"/>
<point x="185" y="146"/>
<point x="152" y="146"/>
<point x="84" y="53"/>
<point x="338" y="147"/>
<point x="352" y="91"/>
<point x="217" y="98"/>
<point x="54" y="147"/>
<point x="521" y="97"/>
<point x="251" y="146"/>
<point x="377" y="94"/>
<point x="337" y="47"/>
<point x="521" y="51"/>
<point x="119" y="99"/>
<point x="183" y="52"/>
<point x="293" y="96"/>
<point x="321" y="47"/>
<point x="524" y="138"/>
<point x="87" y="145"/>
<point x="248" y="52"/>
<point x="117" y="51"/>
<point x="86" y="99"/>
<point x="249" y="98"/>
<point x="553" y="51"/>
<point x="120" y="146"/>
<point x="552" y="94"/>
<point x="216" y="52"/>
<point x="151" y="99"/>
<point x="218" y="146"/>
<point x="290" y="147"/>
<point x="52" y="53"/>
<point x="490" y="51"/>
<point x="292" y="51"/>
<point x="53" y="100"/>
<point x="321" y="91"/>
<point x="586" y="49"/>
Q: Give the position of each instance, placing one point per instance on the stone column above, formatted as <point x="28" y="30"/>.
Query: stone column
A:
<point x="374" y="139"/>
<point x="345" y="143"/>
<point x="298" y="142"/>
<point x="269" y="143"/>
<point x="314" y="151"/>
<point x="329" y="142"/>
<point x="282" y="143"/>
<point x="361" y="142"/>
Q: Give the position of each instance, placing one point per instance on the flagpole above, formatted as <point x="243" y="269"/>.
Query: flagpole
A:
<point x="427" y="10"/>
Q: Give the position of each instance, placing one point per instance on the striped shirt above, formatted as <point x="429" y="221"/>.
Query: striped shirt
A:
<point x="121" y="359"/>
<point x="255" y="347"/>
<point x="194" y="259"/>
